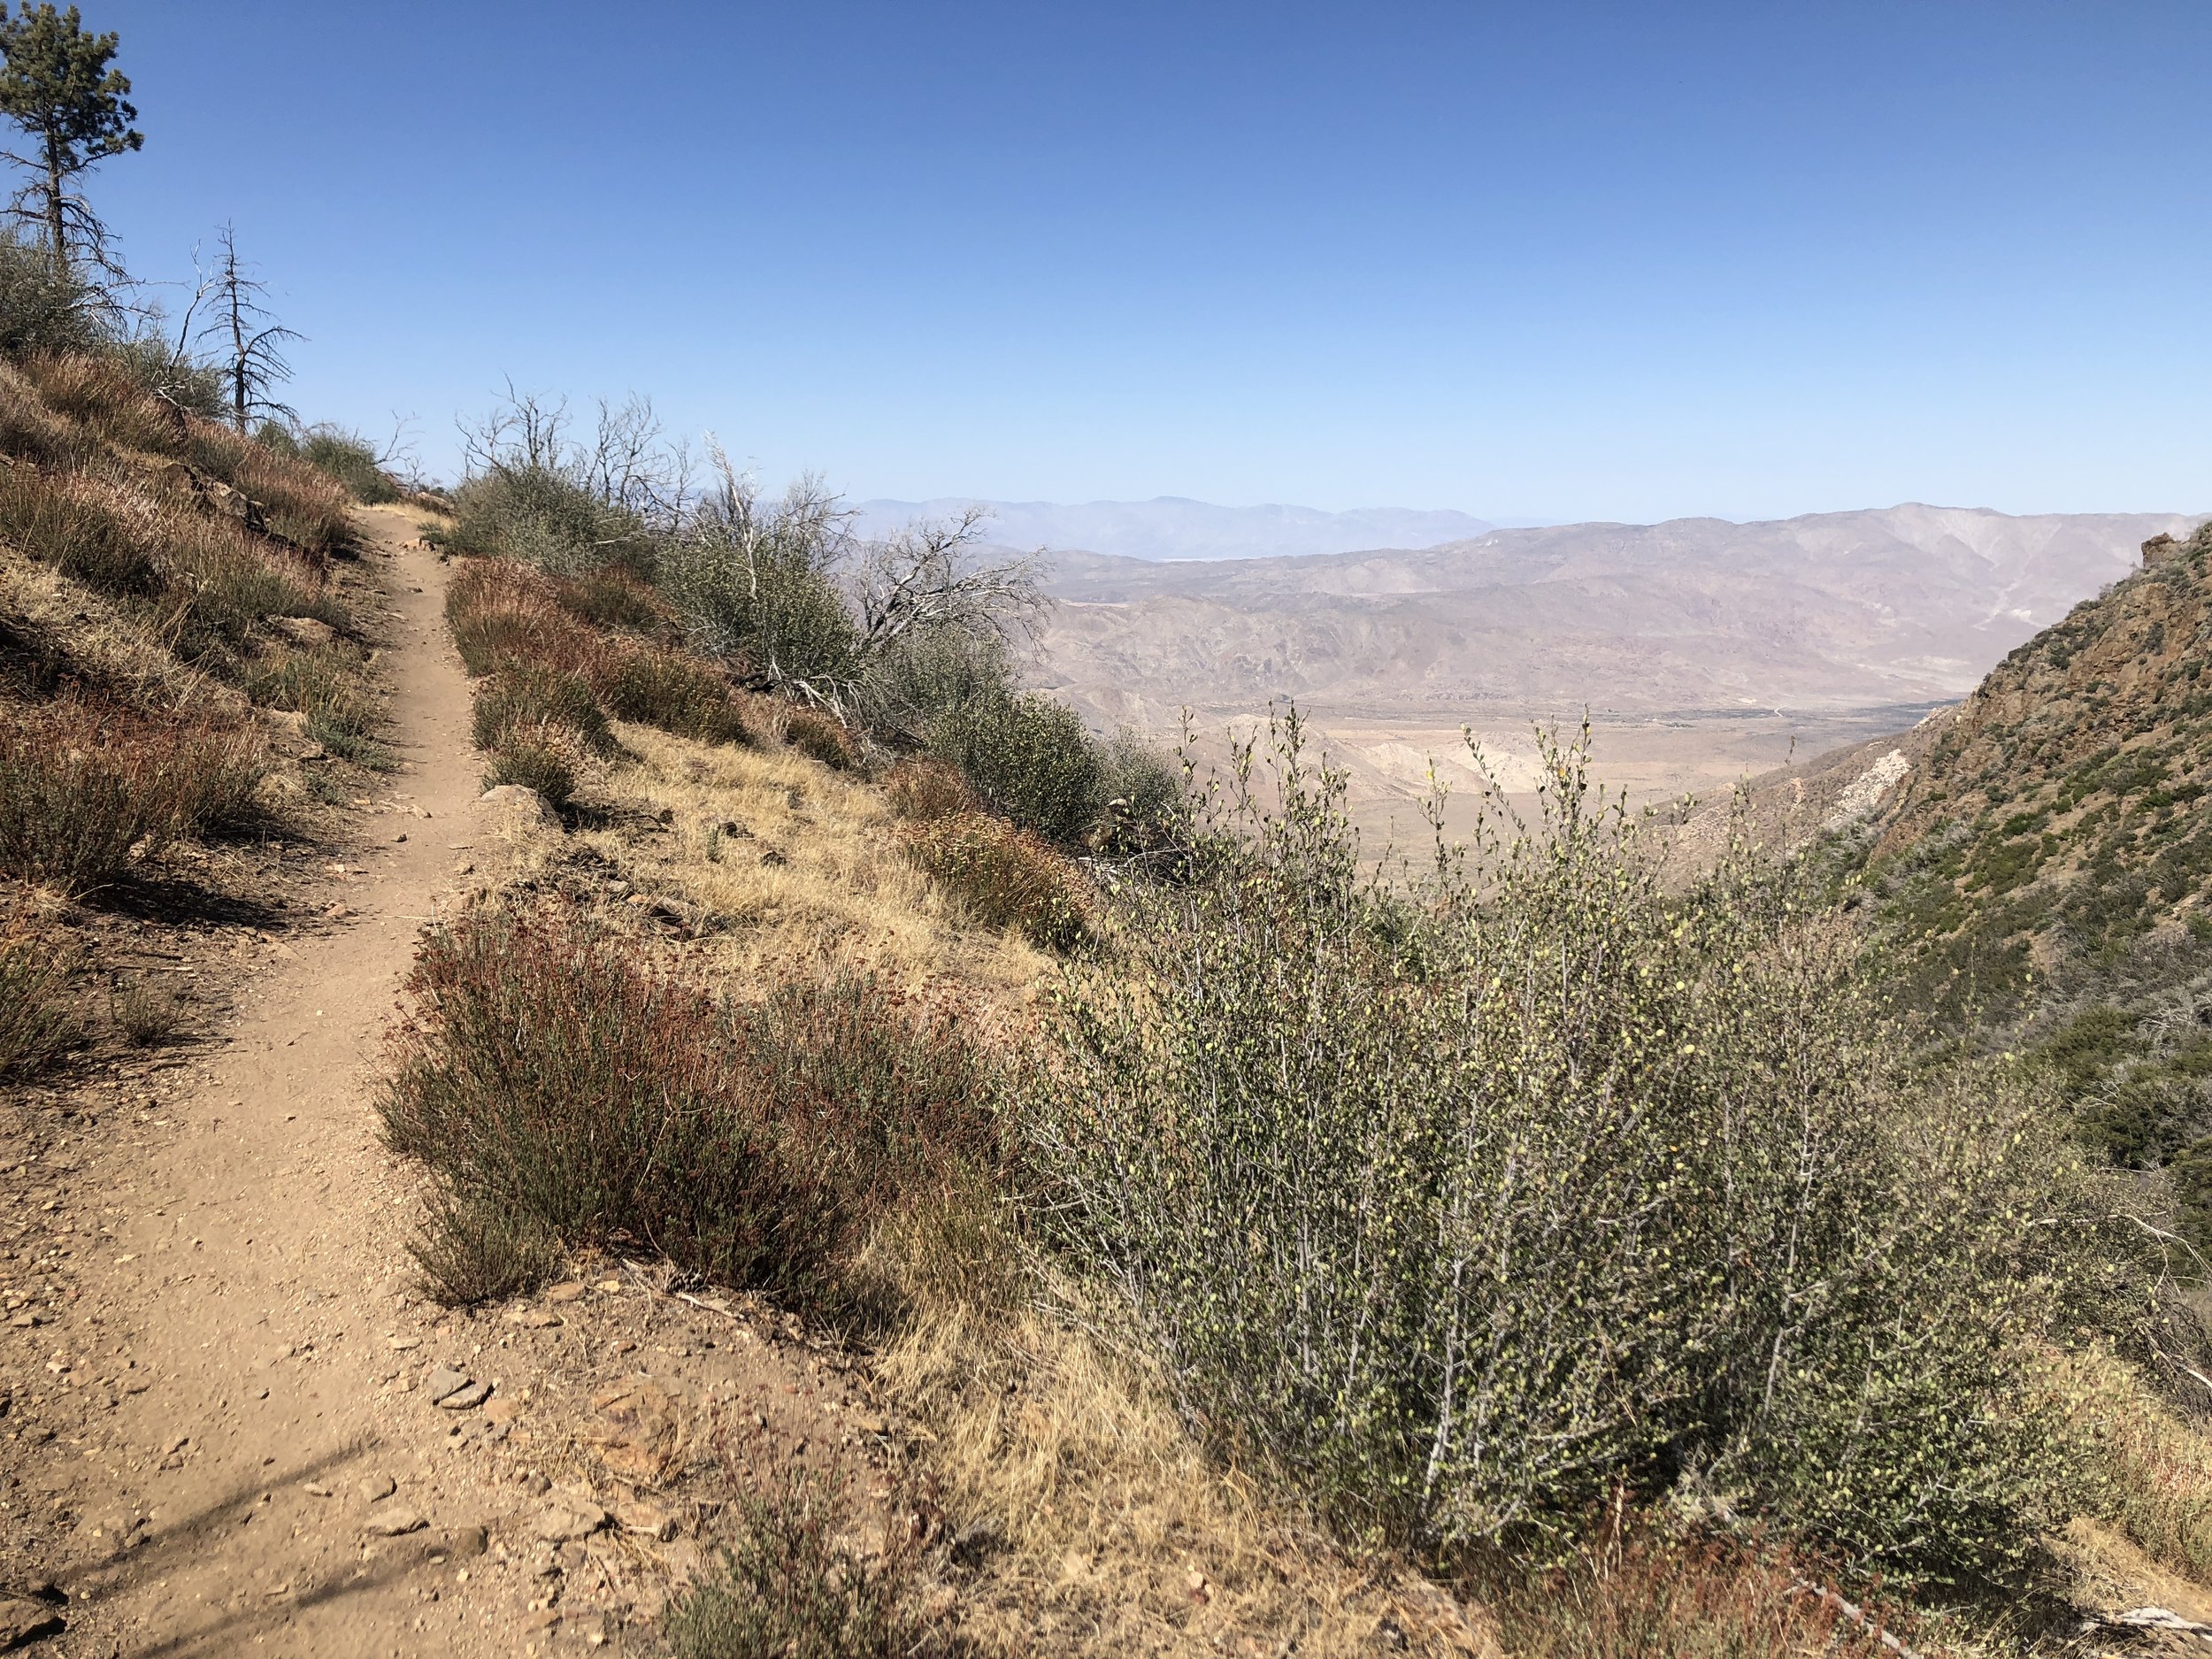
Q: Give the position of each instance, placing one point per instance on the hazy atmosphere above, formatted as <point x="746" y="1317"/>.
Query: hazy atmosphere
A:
<point x="1567" y="263"/>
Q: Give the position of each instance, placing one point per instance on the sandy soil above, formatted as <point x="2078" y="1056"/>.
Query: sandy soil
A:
<point x="216" y="1429"/>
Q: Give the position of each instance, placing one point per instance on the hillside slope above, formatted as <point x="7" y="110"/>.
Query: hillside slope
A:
<point x="2042" y="857"/>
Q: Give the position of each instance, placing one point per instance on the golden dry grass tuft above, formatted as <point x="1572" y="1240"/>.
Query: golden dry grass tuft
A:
<point x="1115" y="1533"/>
<point x="800" y="863"/>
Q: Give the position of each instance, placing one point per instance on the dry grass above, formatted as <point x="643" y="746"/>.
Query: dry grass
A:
<point x="35" y="1022"/>
<point x="1651" y="1597"/>
<point x="101" y="645"/>
<point x="803" y="863"/>
<point x="301" y="504"/>
<point x="1005" y="876"/>
<point x="87" y="785"/>
<point x="1118" y="1534"/>
<point x="2157" y="1467"/>
<point x="29" y="431"/>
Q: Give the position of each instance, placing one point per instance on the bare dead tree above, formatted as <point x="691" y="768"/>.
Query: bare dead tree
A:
<point x="924" y="577"/>
<point x="525" y="431"/>
<point x="248" y="342"/>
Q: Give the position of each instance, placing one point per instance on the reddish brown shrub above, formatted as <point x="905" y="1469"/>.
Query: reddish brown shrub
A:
<point x="614" y="596"/>
<point x="302" y="503"/>
<point x="1005" y="876"/>
<point x="674" y="690"/>
<point x="502" y="613"/>
<point x="98" y="393"/>
<point x="83" y="782"/>
<point x="552" y="1078"/>
<point x="821" y="736"/>
<point x="1656" y="1598"/>
<point x="924" y="789"/>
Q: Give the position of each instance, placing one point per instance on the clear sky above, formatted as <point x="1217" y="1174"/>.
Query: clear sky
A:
<point x="1556" y="261"/>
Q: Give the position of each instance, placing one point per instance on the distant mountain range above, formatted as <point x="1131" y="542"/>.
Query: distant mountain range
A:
<point x="1899" y="606"/>
<point x="1170" y="527"/>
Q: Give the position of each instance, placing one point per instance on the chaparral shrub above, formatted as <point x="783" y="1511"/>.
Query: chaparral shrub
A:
<point x="1475" y="1200"/>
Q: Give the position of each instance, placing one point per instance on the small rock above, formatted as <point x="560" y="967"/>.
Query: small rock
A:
<point x="463" y="1543"/>
<point x="650" y="1519"/>
<point x="170" y="1448"/>
<point x="520" y="801"/>
<point x="25" y="1321"/>
<point x="395" y="1522"/>
<point x="532" y="1318"/>
<point x="467" y="1398"/>
<point x="315" y="1489"/>
<point x="568" y="1291"/>
<point x="571" y="1518"/>
<point x="376" y="1488"/>
<point x="443" y="1381"/>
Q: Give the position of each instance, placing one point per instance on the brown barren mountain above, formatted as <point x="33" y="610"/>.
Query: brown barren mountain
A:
<point x="1704" y="650"/>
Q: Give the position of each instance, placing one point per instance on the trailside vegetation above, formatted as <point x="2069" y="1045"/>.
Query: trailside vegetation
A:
<point x="1478" y="1201"/>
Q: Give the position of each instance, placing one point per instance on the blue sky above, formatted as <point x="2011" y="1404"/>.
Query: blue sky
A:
<point x="1564" y="261"/>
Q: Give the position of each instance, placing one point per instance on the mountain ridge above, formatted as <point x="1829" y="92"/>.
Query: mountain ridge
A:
<point x="1907" y="604"/>
<point x="1178" y="528"/>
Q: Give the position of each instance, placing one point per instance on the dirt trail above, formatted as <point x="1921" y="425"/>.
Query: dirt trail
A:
<point x="251" y="1275"/>
<point x="221" y="1441"/>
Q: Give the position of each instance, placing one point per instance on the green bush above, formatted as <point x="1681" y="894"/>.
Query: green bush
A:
<point x="43" y="310"/>
<point x="758" y="584"/>
<point x="1477" y="1200"/>
<point x="230" y="587"/>
<point x="529" y="699"/>
<point x="540" y="515"/>
<point x="534" y="763"/>
<point x="35" y="1024"/>
<point x="552" y="1073"/>
<point x="346" y="457"/>
<point x="325" y="684"/>
<point x="471" y="1252"/>
<point x="1031" y="759"/>
<point x="153" y="365"/>
<point x="930" y="673"/>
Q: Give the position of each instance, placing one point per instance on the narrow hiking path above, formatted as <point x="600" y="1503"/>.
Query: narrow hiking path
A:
<point x="241" y="1434"/>
<point x="243" y="1292"/>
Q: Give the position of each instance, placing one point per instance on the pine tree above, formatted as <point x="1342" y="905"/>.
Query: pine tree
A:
<point x="56" y="84"/>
